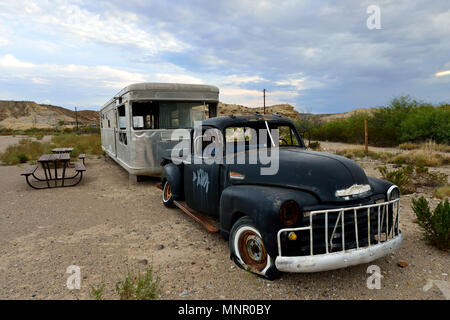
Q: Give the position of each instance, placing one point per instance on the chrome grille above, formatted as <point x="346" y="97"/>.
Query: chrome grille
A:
<point x="341" y="229"/>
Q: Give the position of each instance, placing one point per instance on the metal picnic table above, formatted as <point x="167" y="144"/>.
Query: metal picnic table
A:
<point x="62" y="150"/>
<point x="49" y="163"/>
<point x="69" y="150"/>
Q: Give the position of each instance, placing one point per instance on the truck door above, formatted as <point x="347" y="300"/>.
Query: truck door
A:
<point x="202" y="177"/>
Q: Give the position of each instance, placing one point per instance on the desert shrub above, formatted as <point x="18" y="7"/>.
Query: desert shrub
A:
<point x="139" y="286"/>
<point x="399" y="177"/>
<point x="408" y="146"/>
<point x="315" y="145"/>
<point x="82" y="143"/>
<point x="22" y="158"/>
<point x="25" y="150"/>
<point x="436" y="224"/>
<point x="422" y="158"/>
<point x="431" y="145"/>
<point x="410" y="177"/>
<point x="359" y="152"/>
<point x="97" y="292"/>
<point x="442" y="192"/>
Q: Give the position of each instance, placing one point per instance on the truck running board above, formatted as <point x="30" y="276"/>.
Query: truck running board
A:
<point x="206" y="222"/>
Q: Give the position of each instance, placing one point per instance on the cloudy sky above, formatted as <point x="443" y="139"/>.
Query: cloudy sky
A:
<point x="319" y="56"/>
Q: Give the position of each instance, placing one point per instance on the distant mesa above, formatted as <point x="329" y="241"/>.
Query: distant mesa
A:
<point x="22" y="115"/>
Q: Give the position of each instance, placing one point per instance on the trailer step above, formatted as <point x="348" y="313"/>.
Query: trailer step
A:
<point x="205" y="221"/>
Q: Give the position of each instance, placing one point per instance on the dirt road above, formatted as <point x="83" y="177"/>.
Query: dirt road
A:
<point x="107" y="225"/>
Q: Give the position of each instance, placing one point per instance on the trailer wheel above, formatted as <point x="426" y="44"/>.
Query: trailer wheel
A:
<point x="167" y="196"/>
<point x="248" y="251"/>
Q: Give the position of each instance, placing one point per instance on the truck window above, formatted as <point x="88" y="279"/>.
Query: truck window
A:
<point x="287" y="136"/>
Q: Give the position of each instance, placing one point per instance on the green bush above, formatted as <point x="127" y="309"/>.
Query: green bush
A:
<point x="97" y="292"/>
<point x="403" y="120"/>
<point x="436" y="224"/>
<point x="410" y="177"/>
<point x="399" y="177"/>
<point x="315" y="145"/>
<point x="139" y="286"/>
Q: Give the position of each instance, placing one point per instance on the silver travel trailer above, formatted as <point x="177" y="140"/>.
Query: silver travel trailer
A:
<point x="137" y="123"/>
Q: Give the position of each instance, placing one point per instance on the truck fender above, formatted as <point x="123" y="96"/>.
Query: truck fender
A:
<point x="173" y="174"/>
<point x="262" y="204"/>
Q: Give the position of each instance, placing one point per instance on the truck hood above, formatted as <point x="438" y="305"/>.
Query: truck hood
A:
<point x="320" y="173"/>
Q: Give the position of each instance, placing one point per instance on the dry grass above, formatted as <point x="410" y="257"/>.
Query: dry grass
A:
<point x="429" y="145"/>
<point x="408" y="146"/>
<point x="28" y="150"/>
<point x="360" y="153"/>
<point x="442" y="193"/>
<point x="422" y="157"/>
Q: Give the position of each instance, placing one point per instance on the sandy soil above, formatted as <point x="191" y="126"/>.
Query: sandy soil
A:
<point x="106" y="226"/>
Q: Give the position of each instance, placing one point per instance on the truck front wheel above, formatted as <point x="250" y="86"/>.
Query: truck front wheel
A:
<point x="248" y="251"/>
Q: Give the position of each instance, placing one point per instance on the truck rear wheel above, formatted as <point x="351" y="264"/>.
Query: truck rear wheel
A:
<point x="248" y="251"/>
<point x="167" y="196"/>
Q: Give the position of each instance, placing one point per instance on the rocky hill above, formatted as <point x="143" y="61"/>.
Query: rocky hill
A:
<point x="21" y="115"/>
<point x="285" y="110"/>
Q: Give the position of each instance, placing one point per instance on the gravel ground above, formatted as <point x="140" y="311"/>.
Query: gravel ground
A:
<point x="107" y="226"/>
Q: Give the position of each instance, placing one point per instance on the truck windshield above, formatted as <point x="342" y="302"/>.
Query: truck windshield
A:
<point x="239" y="138"/>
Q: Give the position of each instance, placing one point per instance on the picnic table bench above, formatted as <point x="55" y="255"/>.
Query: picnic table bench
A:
<point x="49" y="163"/>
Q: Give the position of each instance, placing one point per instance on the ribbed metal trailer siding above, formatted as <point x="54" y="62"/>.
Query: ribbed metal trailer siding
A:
<point x="143" y="151"/>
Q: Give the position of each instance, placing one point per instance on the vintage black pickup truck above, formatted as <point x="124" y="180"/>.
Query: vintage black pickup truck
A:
<point x="317" y="211"/>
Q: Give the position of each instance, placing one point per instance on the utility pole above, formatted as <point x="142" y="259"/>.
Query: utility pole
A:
<point x="76" y="117"/>
<point x="366" y="138"/>
<point x="264" y="92"/>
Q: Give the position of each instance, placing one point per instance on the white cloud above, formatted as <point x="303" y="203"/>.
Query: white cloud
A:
<point x="254" y="98"/>
<point x="442" y="73"/>
<point x="300" y="82"/>
<point x="91" y="76"/>
<point x="176" y="78"/>
<point x="236" y="79"/>
<point x="40" y="81"/>
<point x="112" y="27"/>
<point x="96" y="76"/>
<point x="9" y="61"/>
<point x="293" y="82"/>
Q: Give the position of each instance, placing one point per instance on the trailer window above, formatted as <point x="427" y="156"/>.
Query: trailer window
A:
<point x="122" y="118"/>
<point x="181" y="114"/>
<point x="145" y="115"/>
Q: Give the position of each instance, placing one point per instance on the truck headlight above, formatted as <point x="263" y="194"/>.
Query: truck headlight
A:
<point x="289" y="212"/>
<point x="393" y="193"/>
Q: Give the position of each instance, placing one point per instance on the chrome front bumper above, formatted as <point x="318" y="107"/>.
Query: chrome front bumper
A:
<point x="347" y="257"/>
<point x="337" y="260"/>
